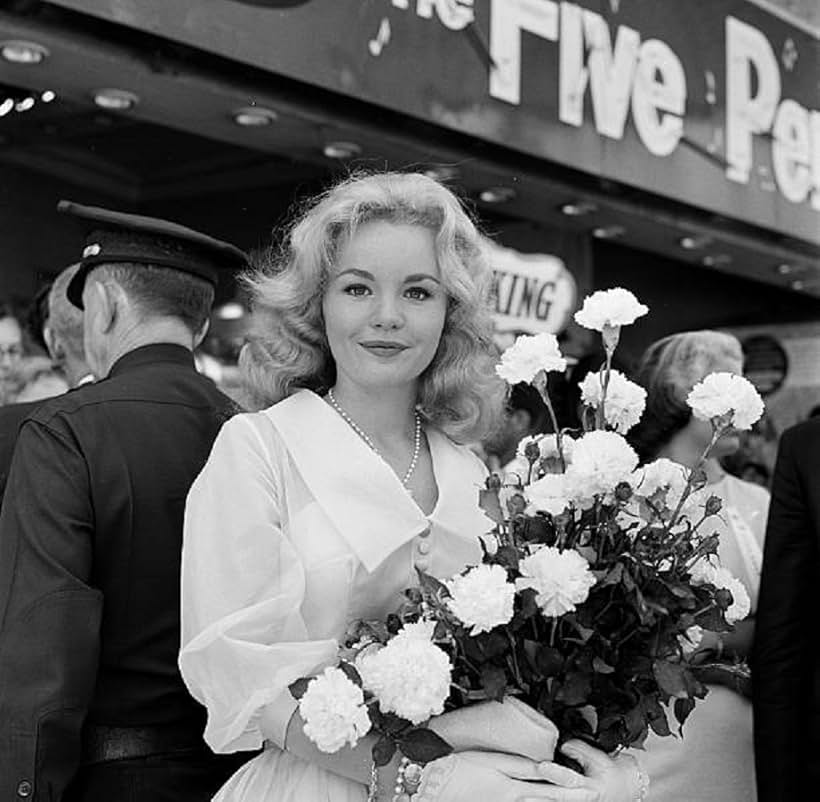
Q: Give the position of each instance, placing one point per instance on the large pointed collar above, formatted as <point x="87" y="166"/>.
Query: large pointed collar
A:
<point x="361" y="494"/>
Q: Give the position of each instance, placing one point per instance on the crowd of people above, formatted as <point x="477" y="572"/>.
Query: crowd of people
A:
<point x="170" y="562"/>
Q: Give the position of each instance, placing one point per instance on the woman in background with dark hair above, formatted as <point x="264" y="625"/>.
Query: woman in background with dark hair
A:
<point x="714" y="759"/>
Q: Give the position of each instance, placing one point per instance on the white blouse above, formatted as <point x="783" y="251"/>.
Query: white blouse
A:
<point x="294" y="529"/>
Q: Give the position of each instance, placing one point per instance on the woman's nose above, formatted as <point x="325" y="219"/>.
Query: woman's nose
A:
<point x="387" y="314"/>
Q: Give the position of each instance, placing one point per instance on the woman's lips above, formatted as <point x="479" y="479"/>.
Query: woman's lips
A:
<point x="384" y="348"/>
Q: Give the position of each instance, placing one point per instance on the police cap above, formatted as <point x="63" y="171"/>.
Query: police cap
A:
<point x="117" y="237"/>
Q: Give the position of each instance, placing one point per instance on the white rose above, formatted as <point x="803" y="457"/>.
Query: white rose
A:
<point x="600" y="461"/>
<point x="562" y="579"/>
<point x="410" y="676"/>
<point x="482" y="598"/>
<point x="615" y="307"/>
<point x="333" y="710"/>
<point x="712" y="572"/>
<point x="529" y="355"/>
<point x="726" y="394"/>
<point x="548" y="494"/>
<point x="625" y="400"/>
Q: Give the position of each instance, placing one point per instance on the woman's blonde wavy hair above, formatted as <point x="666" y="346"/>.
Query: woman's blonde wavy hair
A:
<point x="287" y="349"/>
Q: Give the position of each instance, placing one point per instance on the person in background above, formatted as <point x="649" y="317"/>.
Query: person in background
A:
<point x="91" y="700"/>
<point x="11" y="352"/>
<point x="525" y="415"/>
<point x="713" y="759"/>
<point x="61" y="331"/>
<point x="786" y="651"/>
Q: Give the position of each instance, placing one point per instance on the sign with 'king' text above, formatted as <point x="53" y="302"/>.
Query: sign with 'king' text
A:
<point x="710" y="103"/>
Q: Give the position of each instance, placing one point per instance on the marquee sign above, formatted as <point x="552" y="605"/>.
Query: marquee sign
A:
<point x="713" y="104"/>
<point x="531" y="292"/>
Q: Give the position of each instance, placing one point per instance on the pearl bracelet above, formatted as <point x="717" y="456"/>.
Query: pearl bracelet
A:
<point x="373" y="788"/>
<point x="408" y="780"/>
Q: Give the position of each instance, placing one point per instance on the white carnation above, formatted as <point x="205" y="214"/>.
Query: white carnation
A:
<point x="691" y="639"/>
<point x="548" y="494"/>
<point x="615" y="307"/>
<point x="600" y="461"/>
<point x="726" y="395"/>
<point x="712" y="572"/>
<point x="529" y="355"/>
<point x="410" y="676"/>
<point x="482" y="598"/>
<point x="562" y="579"/>
<point x="549" y="447"/>
<point x="662" y="476"/>
<point x="333" y="710"/>
<point x="625" y="400"/>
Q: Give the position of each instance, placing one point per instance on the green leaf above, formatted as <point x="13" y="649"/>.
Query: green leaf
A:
<point x="613" y="576"/>
<point x="575" y="689"/>
<point x="423" y="746"/>
<point x="350" y="672"/>
<point x="383" y="750"/>
<point x="432" y="585"/>
<point x="671" y="677"/>
<point x="549" y="661"/>
<point x="508" y="557"/>
<point x="297" y="689"/>
<point x="488" y="501"/>
<point x="493" y="681"/>
<point x="683" y="707"/>
<point x="601" y="667"/>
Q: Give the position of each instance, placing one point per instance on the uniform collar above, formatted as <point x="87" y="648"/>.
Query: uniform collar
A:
<point x="151" y="355"/>
<point x="361" y="495"/>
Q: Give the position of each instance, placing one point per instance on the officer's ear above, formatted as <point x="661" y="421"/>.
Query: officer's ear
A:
<point x="102" y="302"/>
<point x="199" y="334"/>
<point x="54" y="344"/>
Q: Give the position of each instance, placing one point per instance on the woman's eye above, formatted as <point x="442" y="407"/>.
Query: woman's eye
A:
<point x="357" y="290"/>
<point x="418" y="293"/>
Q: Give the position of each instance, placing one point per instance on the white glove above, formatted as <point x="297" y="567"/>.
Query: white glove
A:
<point x="471" y="776"/>
<point x="509" y="726"/>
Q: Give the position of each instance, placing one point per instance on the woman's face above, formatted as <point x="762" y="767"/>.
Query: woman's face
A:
<point x="11" y="346"/>
<point x="385" y="306"/>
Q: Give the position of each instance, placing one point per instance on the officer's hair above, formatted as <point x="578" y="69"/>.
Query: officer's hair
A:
<point x="162" y="291"/>
<point x="62" y="317"/>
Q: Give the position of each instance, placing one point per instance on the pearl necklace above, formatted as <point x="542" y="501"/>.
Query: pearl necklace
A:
<point x="359" y="431"/>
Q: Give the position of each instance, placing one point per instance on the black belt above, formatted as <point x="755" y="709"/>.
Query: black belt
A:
<point x="102" y="743"/>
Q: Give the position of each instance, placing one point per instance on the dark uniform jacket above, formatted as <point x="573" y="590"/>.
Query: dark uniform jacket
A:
<point x="786" y="652"/>
<point x="90" y="546"/>
<point x="11" y="417"/>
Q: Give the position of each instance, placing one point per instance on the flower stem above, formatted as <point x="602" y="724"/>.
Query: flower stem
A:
<point x="540" y="384"/>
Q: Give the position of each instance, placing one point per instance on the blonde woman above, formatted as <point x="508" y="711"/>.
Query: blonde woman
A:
<point x="372" y="360"/>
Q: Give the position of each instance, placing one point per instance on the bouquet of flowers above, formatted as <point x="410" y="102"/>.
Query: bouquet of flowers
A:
<point x="597" y="581"/>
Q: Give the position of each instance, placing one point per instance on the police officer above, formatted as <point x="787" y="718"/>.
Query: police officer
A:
<point x="92" y="706"/>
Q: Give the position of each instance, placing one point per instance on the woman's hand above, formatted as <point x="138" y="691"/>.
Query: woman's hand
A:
<point x="470" y="776"/>
<point x="617" y="779"/>
<point x="509" y="726"/>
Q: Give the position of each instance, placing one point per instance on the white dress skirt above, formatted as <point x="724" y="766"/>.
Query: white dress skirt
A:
<point x="714" y="761"/>
<point x="293" y="530"/>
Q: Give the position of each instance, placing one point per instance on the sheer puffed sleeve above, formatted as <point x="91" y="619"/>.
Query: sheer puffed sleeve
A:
<point x="244" y="639"/>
